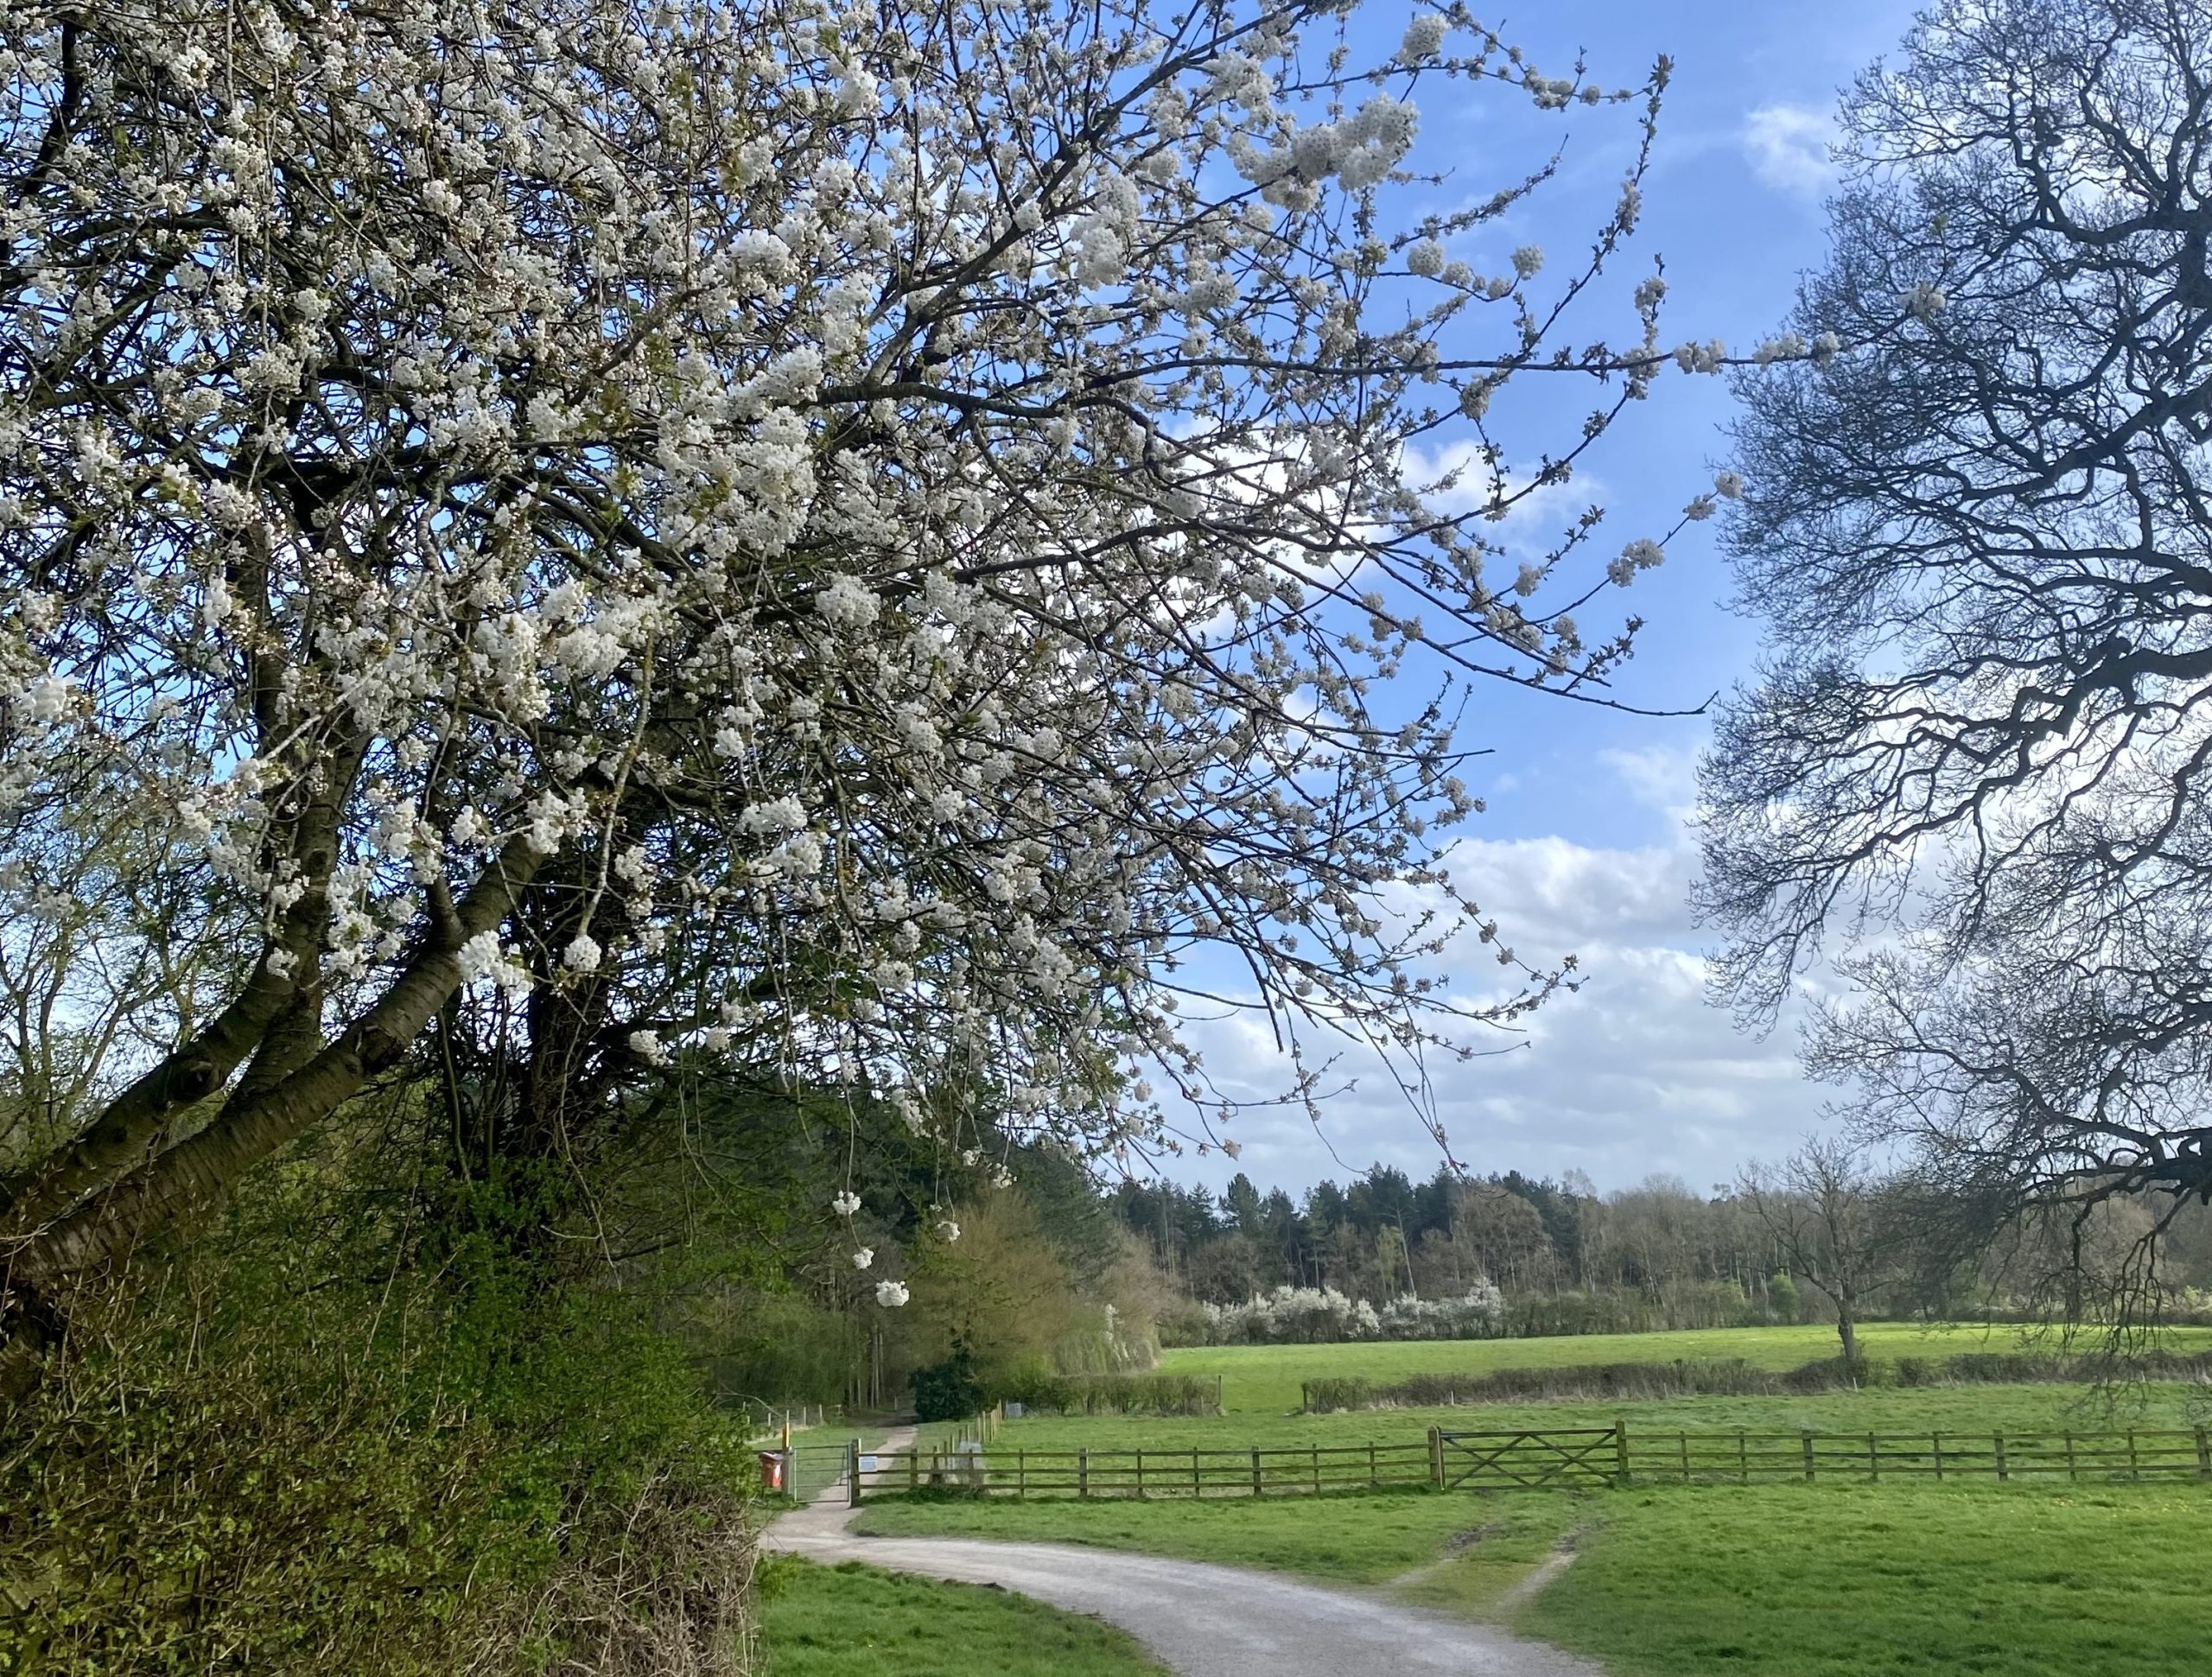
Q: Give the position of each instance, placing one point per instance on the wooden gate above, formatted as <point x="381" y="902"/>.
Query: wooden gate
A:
<point x="1491" y="1461"/>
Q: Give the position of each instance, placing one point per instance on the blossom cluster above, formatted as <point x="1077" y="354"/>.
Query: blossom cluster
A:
<point x="1321" y="1316"/>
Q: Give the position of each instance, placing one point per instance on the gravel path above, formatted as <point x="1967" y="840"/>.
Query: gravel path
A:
<point x="1200" y="1620"/>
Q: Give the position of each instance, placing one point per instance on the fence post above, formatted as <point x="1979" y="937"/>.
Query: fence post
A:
<point x="2003" y="1474"/>
<point x="1805" y="1438"/>
<point x="1140" y="1476"/>
<point x="1195" y="1488"/>
<point x="1316" y="1449"/>
<point x="1620" y="1448"/>
<point x="1874" y="1461"/>
<point x="1436" y="1457"/>
<point x="1082" y="1474"/>
<point x="2070" y="1473"/>
<point x="1742" y="1458"/>
<point x="1374" y="1476"/>
<point x="1937" y="1439"/>
<point x="915" y="1466"/>
<point x="2133" y="1472"/>
<point x="2203" y="1454"/>
<point x="853" y="1473"/>
<point x="1256" y="1490"/>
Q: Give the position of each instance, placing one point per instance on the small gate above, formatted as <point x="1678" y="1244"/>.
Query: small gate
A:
<point x="1492" y="1461"/>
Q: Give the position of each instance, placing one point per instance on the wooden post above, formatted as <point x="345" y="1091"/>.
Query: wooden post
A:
<point x="1257" y="1489"/>
<point x="1743" y="1458"/>
<point x="2070" y="1472"/>
<point x="1998" y="1439"/>
<point x="2133" y="1472"/>
<point x="1140" y="1476"/>
<point x="1196" y="1490"/>
<point x="1874" y="1461"/>
<point x="1682" y="1442"/>
<point x="1316" y="1449"/>
<point x="1436" y="1457"/>
<point x="1020" y="1476"/>
<point x="853" y="1473"/>
<point x="914" y="1465"/>
<point x="1082" y="1473"/>
<point x="1374" y="1476"/>
<point x="1938" y="1439"/>
<point x="1805" y="1438"/>
<point x="1620" y="1449"/>
<point x="2203" y="1454"/>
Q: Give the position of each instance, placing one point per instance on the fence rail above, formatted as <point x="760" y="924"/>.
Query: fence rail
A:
<point x="1220" y="1471"/>
<point x="1589" y="1456"/>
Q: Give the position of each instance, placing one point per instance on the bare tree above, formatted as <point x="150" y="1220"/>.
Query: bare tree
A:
<point x="1977" y="767"/>
<point x="1825" y="1210"/>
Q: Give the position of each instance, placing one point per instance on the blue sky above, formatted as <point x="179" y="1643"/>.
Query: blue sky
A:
<point x="1584" y="845"/>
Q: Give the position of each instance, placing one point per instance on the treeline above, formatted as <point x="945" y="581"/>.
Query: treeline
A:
<point x="1568" y="1258"/>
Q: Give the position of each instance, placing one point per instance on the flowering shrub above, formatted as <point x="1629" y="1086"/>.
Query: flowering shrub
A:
<point x="1305" y="1315"/>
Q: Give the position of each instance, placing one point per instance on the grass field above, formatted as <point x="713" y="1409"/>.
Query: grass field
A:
<point x="1265" y="1378"/>
<point x="1951" y="1409"/>
<point x="1778" y="1581"/>
<point x="853" y="1621"/>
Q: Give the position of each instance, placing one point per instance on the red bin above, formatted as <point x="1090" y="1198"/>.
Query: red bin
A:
<point x="771" y="1470"/>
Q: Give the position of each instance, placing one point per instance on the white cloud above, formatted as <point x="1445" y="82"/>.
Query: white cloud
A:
<point x="1787" y="146"/>
<point x="1633" y="1073"/>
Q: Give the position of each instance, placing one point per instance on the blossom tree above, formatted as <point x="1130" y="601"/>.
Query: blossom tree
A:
<point x="865" y="539"/>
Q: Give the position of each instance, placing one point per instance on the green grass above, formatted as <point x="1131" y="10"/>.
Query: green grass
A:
<point x="1890" y="1581"/>
<point x="1951" y="1409"/>
<point x="1777" y="1580"/>
<point x="853" y="1621"/>
<point x="1265" y="1378"/>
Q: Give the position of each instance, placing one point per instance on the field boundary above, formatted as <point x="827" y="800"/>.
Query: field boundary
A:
<point x="1587" y="1458"/>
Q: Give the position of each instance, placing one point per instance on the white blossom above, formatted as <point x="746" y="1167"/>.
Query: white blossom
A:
<point x="891" y="1294"/>
<point x="846" y="1203"/>
<point x="863" y="1257"/>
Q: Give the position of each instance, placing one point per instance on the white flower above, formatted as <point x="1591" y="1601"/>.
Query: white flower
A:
<point x="891" y="1294"/>
<point x="846" y="1204"/>
<point x="1424" y="39"/>
<point x="1425" y="259"/>
<point x="49" y="697"/>
<point x="864" y="1257"/>
<point x="646" y="1045"/>
<point x="1924" y="302"/>
<point x="949" y="1230"/>
<point x="846" y="603"/>
<point x="582" y="954"/>
<point x="1528" y="259"/>
<point x="1699" y="509"/>
<point x="1729" y="485"/>
<point x="479" y="956"/>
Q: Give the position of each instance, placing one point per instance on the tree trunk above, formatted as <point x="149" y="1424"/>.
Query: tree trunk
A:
<point x="177" y="1187"/>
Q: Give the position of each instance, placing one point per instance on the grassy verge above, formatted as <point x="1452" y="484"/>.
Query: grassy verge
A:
<point x="1265" y="1378"/>
<point x="853" y="1621"/>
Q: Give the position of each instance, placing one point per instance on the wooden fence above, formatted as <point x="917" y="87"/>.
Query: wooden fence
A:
<point x="1587" y="1457"/>
<point x="1741" y="1457"/>
<point x="1246" y="1471"/>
